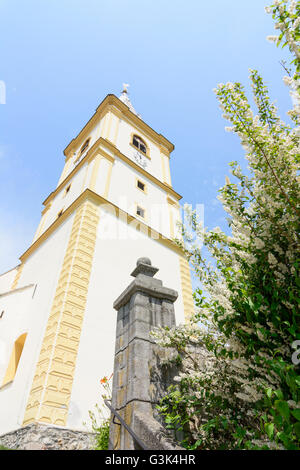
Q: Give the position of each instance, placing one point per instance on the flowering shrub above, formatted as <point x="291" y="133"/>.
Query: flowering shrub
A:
<point x="237" y="386"/>
<point x="99" y="420"/>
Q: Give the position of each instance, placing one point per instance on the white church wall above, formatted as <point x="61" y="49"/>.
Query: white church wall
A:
<point x="6" y="280"/>
<point x="124" y="140"/>
<point x="117" y="249"/>
<point x="41" y="268"/>
<point x="125" y="194"/>
<point x="93" y="135"/>
<point x="14" y="322"/>
<point x="62" y="201"/>
<point x="114" y="260"/>
<point x="101" y="180"/>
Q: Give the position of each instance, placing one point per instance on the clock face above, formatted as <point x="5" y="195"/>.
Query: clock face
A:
<point x="140" y="159"/>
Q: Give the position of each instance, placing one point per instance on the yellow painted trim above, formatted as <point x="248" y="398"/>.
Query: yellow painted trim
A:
<point x="165" y="161"/>
<point x="85" y="176"/>
<point x="168" y="171"/>
<point x="163" y="168"/>
<point x="172" y="202"/>
<point x="64" y="172"/>
<point x="171" y="221"/>
<point x="145" y="190"/>
<point x="45" y="210"/>
<point x="14" y="359"/>
<point x="88" y="194"/>
<point x="165" y="151"/>
<point x="105" y="123"/>
<point x="108" y="102"/>
<point x="17" y="276"/>
<point x="141" y="170"/>
<point x="99" y="125"/>
<point x="186" y="287"/>
<point x="108" y="179"/>
<point x="51" y="389"/>
<point x="109" y="125"/>
<point x="45" y="213"/>
<point x="39" y="229"/>
<point x="147" y="154"/>
<point x="117" y="129"/>
<point x="95" y="171"/>
<point x="107" y="155"/>
<point x="97" y="148"/>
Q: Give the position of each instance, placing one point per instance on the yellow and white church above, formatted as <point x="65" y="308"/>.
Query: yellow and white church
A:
<point x="113" y="204"/>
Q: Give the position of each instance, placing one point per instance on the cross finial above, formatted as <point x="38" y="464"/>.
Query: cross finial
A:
<point x="125" y="86"/>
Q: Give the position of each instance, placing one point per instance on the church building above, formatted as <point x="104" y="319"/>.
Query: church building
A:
<point x="113" y="204"/>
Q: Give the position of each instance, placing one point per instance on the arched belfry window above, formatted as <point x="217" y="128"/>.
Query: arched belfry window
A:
<point x="139" y="144"/>
<point x="14" y="359"/>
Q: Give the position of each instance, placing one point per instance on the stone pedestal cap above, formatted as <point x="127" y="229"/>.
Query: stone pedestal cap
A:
<point x="144" y="266"/>
<point x="145" y="284"/>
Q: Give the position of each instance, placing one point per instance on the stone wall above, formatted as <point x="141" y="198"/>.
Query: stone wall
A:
<point x="138" y="382"/>
<point x="43" y="437"/>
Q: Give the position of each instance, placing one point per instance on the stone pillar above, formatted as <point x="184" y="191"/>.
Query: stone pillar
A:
<point x="144" y="304"/>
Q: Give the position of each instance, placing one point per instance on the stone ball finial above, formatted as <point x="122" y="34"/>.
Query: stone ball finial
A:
<point x="143" y="260"/>
<point x="144" y="267"/>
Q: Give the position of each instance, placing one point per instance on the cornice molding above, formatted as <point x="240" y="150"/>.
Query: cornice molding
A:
<point x="93" y="152"/>
<point x="105" y="106"/>
<point x="18" y="289"/>
<point x="88" y="194"/>
<point x="148" y="175"/>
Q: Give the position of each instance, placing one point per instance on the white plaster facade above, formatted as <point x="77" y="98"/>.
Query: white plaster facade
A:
<point x="27" y="293"/>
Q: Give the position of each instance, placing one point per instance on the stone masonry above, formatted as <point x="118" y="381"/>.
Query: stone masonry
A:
<point x="37" y="436"/>
<point x="144" y="304"/>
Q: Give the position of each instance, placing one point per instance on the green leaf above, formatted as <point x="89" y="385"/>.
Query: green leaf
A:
<point x="283" y="408"/>
<point x="269" y="392"/>
<point x="297" y="430"/>
<point x="269" y="428"/>
<point x="279" y="394"/>
<point x="296" y="414"/>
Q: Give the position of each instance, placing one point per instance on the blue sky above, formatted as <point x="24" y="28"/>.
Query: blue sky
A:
<point x="60" y="58"/>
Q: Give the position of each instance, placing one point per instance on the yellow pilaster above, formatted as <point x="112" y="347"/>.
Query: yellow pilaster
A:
<point x="50" y="393"/>
<point x="65" y="171"/>
<point x="45" y="213"/>
<point x="107" y="174"/>
<point x="117" y="130"/>
<point x="95" y="172"/>
<point x="17" y="276"/>
<point x="165" y="163"/>
<point x="186" y="287"/>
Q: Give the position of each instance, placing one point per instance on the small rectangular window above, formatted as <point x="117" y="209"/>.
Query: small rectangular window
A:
<point x="67" y="189"/>
<point x="141" y="185"/>
<point x="140" y="211"/>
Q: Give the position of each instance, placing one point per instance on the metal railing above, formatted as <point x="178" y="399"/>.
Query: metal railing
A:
<point x="128" y="428"/>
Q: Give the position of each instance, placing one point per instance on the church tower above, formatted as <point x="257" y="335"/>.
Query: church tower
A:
<point x="113" y="204"/>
